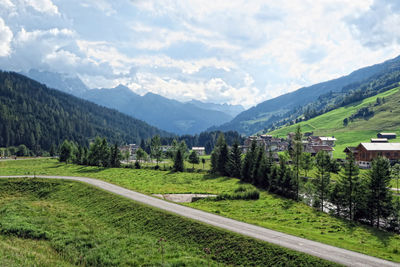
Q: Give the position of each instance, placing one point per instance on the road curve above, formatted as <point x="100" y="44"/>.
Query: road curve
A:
<point x="331" y="253"/>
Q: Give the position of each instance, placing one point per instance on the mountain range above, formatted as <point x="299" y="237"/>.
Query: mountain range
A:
<point x="170" y="115"/>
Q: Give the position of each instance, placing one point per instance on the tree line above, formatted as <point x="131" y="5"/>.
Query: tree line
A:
<point x="366" y="199"/>
<point x="99" y="153"/>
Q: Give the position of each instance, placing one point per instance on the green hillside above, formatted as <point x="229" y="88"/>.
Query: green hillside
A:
<point x="64" y="223"/>
<point x="386" y="118"/>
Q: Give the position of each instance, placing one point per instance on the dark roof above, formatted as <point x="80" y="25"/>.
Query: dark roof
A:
<point x="351" y="149"/>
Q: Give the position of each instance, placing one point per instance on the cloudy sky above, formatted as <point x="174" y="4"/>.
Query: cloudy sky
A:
<point x="222" y="51"/>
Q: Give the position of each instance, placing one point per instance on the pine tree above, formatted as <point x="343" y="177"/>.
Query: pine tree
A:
<point x="258" y="167"/>
<point x="348" y="184"/>
<point x="248" y="163"/>
<point x="178" y="161"/>
<point x="379" y="195"/>
<point x="322" y="181"/>
<point x="297" y="157"/>
<point x="115" y="156"/>
<point x="235" y="161"/>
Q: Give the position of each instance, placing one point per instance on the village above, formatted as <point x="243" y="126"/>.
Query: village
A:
<point x="364" y="153"/>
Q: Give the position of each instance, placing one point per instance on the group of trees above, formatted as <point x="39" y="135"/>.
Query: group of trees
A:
<point x="19" y="151"/>
<point x="366" y="199"/>
<point x="100" y="153"/>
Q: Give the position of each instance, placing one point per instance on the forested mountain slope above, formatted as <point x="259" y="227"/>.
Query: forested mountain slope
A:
<point x="355" y="123"/>
<point x="34" y="115"/>
<point x="265" y="114"/>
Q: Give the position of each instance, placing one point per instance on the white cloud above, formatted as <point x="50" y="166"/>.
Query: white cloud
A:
<point x="6" y="36"/>
<point x="233" y="51"/>
<point x="43" y="6"/>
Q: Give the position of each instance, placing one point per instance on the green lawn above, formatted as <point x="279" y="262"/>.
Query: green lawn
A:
<point x="386" y="118"/>
<point x="269" y="211"/>
<point x="64" y="223"/>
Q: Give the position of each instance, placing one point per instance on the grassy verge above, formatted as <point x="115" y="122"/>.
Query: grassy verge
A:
<point x="62" y="222"/>
<point x="268" y="211"/>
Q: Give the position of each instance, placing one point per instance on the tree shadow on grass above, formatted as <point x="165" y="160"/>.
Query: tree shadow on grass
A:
<point x="84" y="169"/>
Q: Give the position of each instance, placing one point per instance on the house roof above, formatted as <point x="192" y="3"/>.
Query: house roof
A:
<point x="381" y="146"/>
<point x="319" y="148"/>
<point x="351" y="149"/>
<point x="387" y="133"/>
<point x="198" y="148"/>
<point x="327" y="138"/>
<point x="377" y="140"/>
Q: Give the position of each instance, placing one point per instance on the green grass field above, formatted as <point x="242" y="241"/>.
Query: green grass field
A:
<point x="386" y="119"/>
<point x="269" y="211"/>
<point x="64" y="223"/>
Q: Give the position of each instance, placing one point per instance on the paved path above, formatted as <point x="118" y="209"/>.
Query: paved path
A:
<point x="317" y="249"/>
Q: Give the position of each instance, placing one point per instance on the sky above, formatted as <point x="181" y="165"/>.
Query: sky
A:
<point x="220" y="51"/>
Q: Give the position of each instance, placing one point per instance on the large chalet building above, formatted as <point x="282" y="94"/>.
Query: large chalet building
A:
<point x="364" y="153"/>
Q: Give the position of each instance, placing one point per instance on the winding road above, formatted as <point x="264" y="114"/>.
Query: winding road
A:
<point x="331" y="253"/>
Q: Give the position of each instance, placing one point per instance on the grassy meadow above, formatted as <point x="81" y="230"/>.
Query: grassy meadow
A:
<point x="66" y="223"/>
<point x="386" y="119"/>
<point x="268" y="211"/>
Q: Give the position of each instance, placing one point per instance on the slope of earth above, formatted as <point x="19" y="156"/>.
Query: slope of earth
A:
<point x="82" y="225"/>
<point x="264" y="114"/>
<point x="386" y="118"/>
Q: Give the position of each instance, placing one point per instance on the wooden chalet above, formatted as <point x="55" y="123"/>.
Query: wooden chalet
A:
<point x="366" y="152"/>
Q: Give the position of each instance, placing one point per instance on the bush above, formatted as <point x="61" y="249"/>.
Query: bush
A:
<point x="245" y="193"/>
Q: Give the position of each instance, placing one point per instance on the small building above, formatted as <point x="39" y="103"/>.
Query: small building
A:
<point x="387" y="135"/>
<point x="327" y="140"/>
<point x="131" y="148"/>
<point x="366" y="152"/>
<point x="350" y="150"/>
<point x="379" y="140"/>
<point x="199" y="150"/>
<point x="314" y="149"/>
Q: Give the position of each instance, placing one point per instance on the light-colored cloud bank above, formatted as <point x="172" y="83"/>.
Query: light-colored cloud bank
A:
<point x="223" y="51"/>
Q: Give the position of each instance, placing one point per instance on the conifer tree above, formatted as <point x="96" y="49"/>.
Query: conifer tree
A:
<point x="235" y="161"/>
<point x="379" y="195"/>
<point x="248" y="163"/>
<point x="348" y="184"/>
<point x="178" y="161"/>
<point x="297" y="157"/>
<point x="322" y="180"/>
<point x="115" y="156"/>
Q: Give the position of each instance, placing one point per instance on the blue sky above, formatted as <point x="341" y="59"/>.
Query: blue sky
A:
<point x="222" y="51"/>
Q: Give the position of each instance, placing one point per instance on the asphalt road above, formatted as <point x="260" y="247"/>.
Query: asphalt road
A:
<point x="338" y="255"/>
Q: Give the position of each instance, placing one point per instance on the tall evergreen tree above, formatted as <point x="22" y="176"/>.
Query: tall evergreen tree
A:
<point x="297" y="152"/>
<point x="259" y="167"/>
<point x="248" y="163"/>
<point x="115" y="156"/>
<point x="178" y="161"/>
<point x="348" y="184"/>
<point x="379" y="195"/>
<point x="323" y="162"/>
<point x="235" y="161"/>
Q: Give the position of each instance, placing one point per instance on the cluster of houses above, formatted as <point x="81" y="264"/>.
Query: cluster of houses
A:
<point x="364" y="153"/>
<point x="312" y="145"/>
